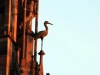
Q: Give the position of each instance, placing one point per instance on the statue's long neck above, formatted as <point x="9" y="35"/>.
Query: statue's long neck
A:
<point x="46" y="26"/>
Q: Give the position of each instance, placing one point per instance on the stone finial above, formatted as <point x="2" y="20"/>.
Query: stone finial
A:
<point x="41" y="52"/>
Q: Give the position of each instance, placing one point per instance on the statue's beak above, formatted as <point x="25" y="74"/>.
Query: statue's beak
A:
<point x="50" y="23"/>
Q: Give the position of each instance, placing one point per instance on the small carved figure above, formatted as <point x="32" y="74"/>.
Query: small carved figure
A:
<point x="41" y="34"/>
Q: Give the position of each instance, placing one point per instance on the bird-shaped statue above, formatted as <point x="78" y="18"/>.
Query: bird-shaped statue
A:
<point x="41" y="34"/>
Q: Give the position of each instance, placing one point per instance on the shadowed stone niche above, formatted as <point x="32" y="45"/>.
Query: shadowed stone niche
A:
<point x="2" y="4"/>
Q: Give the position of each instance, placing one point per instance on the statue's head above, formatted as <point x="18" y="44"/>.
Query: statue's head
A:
<point x="46" y="22"/>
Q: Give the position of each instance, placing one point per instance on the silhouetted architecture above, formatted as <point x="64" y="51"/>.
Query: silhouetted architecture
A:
<point x="47" y="74"/>
<point x="18" y="50"/>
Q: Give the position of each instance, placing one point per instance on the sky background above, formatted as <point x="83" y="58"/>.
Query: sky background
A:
<point x="72" y="45"/>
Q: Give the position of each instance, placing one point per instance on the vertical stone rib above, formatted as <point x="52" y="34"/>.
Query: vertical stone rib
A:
<point x="24" y="27"/>
<point x="7" y="16"/>
<point x="36" y="29"/>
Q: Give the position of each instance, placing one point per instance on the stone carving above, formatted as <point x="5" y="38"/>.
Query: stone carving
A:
<point x="41" y="34"/>
<point x="29" y="16"/>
